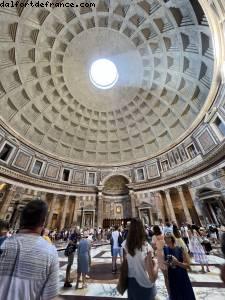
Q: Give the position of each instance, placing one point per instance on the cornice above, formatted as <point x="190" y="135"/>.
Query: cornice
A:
<point x="12" y="177"/>
<point x="212" y="162"/>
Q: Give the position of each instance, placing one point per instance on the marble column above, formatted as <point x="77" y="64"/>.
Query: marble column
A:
<point x="151" y="216"/>
<point x="213" y="214"/>
<point x="65" y="207"/>
<point x="76" y="211"/>
<point x="221" y="208"/>
<point x="184" y="205"/>
<point x="51" y="211"/>
<point x="170" y="206"/>
<point x="93" y="221"/>
<point x="9" y="195"/>
<point x="100" y="209"/>
<point x="159" y="204"/>
<point x="197" y="206"/>
<point x="133" y="205"/>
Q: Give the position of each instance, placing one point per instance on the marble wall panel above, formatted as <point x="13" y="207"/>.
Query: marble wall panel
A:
<point x="52" y="171"/>
<point x="22" y="160"/>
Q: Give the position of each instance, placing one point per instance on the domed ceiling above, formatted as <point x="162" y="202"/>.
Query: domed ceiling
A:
<point x="164" y="57"/>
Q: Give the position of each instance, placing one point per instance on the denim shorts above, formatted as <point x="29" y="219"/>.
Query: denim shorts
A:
<point x="116" y="252"/>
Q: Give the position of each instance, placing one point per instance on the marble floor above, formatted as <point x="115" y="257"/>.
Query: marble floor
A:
<point x="102" y="284"/>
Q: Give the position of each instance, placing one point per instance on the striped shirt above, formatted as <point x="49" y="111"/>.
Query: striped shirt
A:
<point x="29" y="268"/>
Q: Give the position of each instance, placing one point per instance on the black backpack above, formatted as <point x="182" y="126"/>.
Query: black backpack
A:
<point x="120" y="240"/>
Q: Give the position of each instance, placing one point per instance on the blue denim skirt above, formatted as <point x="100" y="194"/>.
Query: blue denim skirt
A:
<point x="138" y="292"/>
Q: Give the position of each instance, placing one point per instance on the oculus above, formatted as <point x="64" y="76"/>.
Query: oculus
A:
<point x="103" y="74"/>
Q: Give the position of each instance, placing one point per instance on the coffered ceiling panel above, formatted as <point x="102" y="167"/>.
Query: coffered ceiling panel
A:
<point x="164" y="57"/>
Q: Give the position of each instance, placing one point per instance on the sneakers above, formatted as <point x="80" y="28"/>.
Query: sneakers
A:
<point x="67" y="285"/>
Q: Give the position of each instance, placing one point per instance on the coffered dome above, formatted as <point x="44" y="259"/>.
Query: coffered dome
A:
<point x="164" y="57"/>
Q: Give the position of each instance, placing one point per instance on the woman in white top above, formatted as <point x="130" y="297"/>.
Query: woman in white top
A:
<point x="142" y="268"/>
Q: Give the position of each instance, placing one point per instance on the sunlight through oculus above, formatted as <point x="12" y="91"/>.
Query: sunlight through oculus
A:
<point x="103" y="74"/>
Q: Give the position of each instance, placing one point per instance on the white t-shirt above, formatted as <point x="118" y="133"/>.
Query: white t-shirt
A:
<point x="115" y="235"/>
<point x="184" y="232"/>
<point x="136" y="265"/>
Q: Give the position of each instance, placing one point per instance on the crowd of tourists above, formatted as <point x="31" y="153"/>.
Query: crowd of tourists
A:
<point x="29" y="266"/>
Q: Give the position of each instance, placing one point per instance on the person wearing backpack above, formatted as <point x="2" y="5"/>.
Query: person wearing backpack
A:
<point x="116" y="244"/>
<point x="70" y="252"/>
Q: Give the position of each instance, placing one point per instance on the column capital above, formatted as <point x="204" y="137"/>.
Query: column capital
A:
<point x="67" y="197"/>
<point x="12" y="188"/>
<point x="180" y="188"/>
<point x="167" y="191"/>
<point x="100" y="188"/>
<point x="131" y="192"/>
<point x="55" y="196"/>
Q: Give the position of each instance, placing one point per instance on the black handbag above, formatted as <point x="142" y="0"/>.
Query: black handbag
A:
<point x="69" y="249"/>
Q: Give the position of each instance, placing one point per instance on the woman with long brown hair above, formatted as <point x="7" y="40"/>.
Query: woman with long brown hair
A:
<point x="142" y="267"/>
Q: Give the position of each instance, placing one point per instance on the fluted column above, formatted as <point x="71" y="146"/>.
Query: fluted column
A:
<point x="76" y="210"/>
<point x="159" y="203"/>
<point x="62" y="223"/>
<point x="197" y="206"/>
<point x="51" y="211"/>
<point x="93" y="220"/>
<point x="133" y="205"/>
<point x="151" y="217"/>
<point x="170" y="206"/>
<point x="9" y="195"/>
<point x="100" y="208"/>
<point x="184" y="205"/>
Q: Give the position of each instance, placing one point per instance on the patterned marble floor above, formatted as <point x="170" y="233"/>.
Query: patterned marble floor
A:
<point x="102" y="284"/>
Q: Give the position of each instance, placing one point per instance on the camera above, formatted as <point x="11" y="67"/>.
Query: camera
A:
<point x="169" y="258"/>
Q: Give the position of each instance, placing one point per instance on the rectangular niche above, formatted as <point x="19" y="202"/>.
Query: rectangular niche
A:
<point x="66" y="175"/>
<point x="218" y="125"/>
<point x="140" y="174"/>
<point x="165" y="165"/>
<point x="191" y="151"/>
<point x="22" y="160"/>
<point x="153" y="170"/>
<point x="91" y="178"/>
<point x="6" y="152"/>
<point x="37" y="167"/>
<point x="206" y="141"/>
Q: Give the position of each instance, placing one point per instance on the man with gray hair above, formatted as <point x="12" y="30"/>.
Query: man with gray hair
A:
<point x="29" y="267"/>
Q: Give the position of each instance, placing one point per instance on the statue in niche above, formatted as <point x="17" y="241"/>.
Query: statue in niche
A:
<point x="87" y="222"/>
<point x="145" y="217"/>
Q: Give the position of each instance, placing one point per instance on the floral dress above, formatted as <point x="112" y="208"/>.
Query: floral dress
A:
<point x="159" y="242"/>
